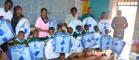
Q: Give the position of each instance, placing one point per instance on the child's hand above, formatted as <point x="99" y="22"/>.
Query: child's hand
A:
<point x="1" y="17"/>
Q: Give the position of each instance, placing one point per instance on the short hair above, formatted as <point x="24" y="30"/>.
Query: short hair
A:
<point x="96" y="26"/>
<point x="86" y="25"/>
<point x="69" y="28"/>
<point x="73" y="8"/>
<point x="59" y="25"/>
<point x="51" y="28"/>
<point x="16" y="8"/>
<point x="21" y="32"/>
<point x="44" y="9"/>
<point x="78" y="27"/>
<point x="9" y="1"/>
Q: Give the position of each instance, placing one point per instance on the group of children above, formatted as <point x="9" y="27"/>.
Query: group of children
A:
<point x="76" y="48"/>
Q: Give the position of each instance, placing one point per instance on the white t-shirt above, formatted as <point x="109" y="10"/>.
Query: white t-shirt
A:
<point x="69" y="18"/>
<point x="6" y="15"/>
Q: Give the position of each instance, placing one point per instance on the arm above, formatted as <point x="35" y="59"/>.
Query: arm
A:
<point x="38" y="24"/>
<point x="42" y="30"/>
<point x="113" y="23"/>
<point x="125" y="23"/>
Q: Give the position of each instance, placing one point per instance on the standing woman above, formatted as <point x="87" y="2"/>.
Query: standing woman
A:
<point x="42" y="24"/>
<point x="19" y="22"/>
<point x="104" y="23"/>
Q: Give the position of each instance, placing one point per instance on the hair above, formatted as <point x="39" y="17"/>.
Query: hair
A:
<point x="102" y="17"/>
<point x="46" y="17"/>
<point x="86" y="25"/>
<point x="73" y="8"/>
<point x="21" y="32"/>
<point x="16" y="8"/>
<point x="44" y="9"/>
<point x="96" y="27"/>
<point x="78" y="27"/>
<point x="59" y="25"/>
<point x="69" y="28"/>
<point x="52" y="28"/>
<point x="9" y="1"/>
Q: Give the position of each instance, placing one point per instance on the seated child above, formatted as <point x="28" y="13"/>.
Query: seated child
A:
<point x="97" y="37"/>
<point x="70" y="33"/>
<point x="77" y="35"/>
<point x="78" y="31"/>
<point x="49" y="53"/>
<point x="86" y="51"/>
<point x="86" y="29"/>
<point x="36" y="45"/>
<point x="104" y="37"/>
<point x="20" y="39"/>
<point x="20" y="50"/>
<point x="61" y="31"/>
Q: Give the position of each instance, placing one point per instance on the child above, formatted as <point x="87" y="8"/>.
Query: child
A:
<point x="51" y="32"/>
<point x="49" y="53"/>
<point x="86" y="29"/>
<point x="108" y="39"/>
<point x="77" y="35"/>
<point x="20" y="39"/>
<point x="97" y="37"/>
<point x="87" y="50"/>
<point x="70" y="33"/>
<point x="59" y="28"/>
<point x="78" y="31"/>
<point x="20" y="51"/>
<point x="36" y="45"/>
<point x="60" y="31"/>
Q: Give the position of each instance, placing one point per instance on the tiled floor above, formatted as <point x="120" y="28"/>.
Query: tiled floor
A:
<point x="94" y="58"/>
<point x="135" y="48"/>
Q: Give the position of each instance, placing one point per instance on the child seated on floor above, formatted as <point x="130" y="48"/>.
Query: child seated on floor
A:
<point x="36" y="45"/>
<point x="73" y="47"/>
<point x="78" y="35"/>
<point x="60" y="32"/>
<point x="49" y="53"/>
<point x="97" y="37"/>
<point x="78" y="31"/>
<point x="20" y="40"/>
<point x="106" y="42"/>
<point x="86" y="51"/>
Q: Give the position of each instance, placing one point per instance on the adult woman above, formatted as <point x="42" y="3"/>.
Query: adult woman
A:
<point x="71" y="16"/>
<point x="104" y="22"/>
<point x="42" y="23"/>
<point x="19" y="22"/>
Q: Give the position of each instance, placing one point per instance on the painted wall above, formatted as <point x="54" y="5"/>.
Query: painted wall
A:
<point x="99" y="6"/>
<point x="58" y="9"/>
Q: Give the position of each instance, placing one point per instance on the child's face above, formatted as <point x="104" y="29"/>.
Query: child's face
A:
<point x="96" y="29"/>
<point x="51" y="32"/>
<point x="35" y="34"/>
<point x="86" y="28"/>
<point x="60" y="29"/>
<point x="79" y="29"/>
<point x="21" y="36"/>
<point x="69" y="30"/>
<point x="107" y="32"/>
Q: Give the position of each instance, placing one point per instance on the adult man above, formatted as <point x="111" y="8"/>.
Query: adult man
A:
<point x="119" y="24"/>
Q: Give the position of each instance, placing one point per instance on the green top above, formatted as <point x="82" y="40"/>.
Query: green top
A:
<point x="21" y="42"/>
<point x="76" y="34"/>
<point x="86" y="15"/>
